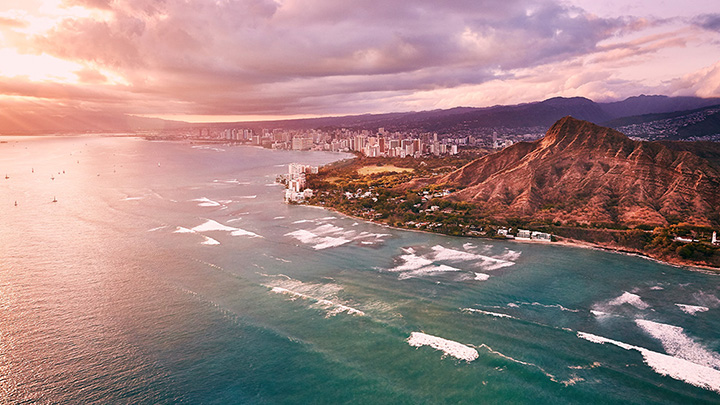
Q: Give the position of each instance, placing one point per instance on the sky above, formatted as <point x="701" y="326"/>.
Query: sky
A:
<point x="224" y="60"/>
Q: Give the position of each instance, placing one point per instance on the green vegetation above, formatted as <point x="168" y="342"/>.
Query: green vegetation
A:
<point x="386" y="197"/>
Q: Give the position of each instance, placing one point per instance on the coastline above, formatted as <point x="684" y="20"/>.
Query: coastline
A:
<point x="573" y="243"/>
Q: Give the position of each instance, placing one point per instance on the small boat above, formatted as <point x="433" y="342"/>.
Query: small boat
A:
<point x="54" y="199"/>
<point x="52" y="177"/>
<point x="16" y="203"/>
<point x="7" y="177"/>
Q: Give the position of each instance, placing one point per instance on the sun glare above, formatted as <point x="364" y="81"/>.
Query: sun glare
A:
<point x="37" y="67"/>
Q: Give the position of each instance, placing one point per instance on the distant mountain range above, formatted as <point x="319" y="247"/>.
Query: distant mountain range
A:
<point x="580" y="172"/>
<point x="643" y="116"/>
<point x="519" y="118"/>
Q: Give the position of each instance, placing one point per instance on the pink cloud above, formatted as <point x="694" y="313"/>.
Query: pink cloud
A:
<point x="329" y="57"/>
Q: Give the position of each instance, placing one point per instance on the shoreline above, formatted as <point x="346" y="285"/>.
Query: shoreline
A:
<point x="567" y="242"/>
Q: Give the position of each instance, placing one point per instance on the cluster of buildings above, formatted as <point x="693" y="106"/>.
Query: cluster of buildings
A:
<point x="377" y="143"/>
<point x="296" y="190"/>
<point x="524" y="234"/>
<point x="668" y="127"/>
<point x="371" y="144"/>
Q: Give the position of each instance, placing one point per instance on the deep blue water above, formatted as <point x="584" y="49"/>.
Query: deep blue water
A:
<point x="170" y="272"/>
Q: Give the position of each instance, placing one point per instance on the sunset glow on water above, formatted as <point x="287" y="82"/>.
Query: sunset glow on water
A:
<point x="113" y="294"/>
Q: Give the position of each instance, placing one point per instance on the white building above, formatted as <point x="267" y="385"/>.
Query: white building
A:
<point x="541" y="236"/>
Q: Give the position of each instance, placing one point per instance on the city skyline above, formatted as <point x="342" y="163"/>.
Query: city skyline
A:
<point x="242" y="60"/>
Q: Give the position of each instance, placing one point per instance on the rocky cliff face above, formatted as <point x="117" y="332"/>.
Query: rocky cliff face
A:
<point x="586" y="173"/>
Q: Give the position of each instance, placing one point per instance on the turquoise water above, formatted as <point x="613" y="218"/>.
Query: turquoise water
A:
<point x="167" y="272"/>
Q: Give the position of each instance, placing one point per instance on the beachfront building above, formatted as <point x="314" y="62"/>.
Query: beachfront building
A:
<point x="296" y="181"/>
<point x="542" y="236"/>
<point x="523" y="234"/>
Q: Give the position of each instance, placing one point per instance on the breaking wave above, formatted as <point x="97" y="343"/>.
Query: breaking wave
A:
<point x="448" y="347"/>
<point x="663" y="364"/>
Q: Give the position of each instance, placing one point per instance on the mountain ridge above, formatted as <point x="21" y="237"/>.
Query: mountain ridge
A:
<point x="583" y="173"/>
<point x="457" y="120"/>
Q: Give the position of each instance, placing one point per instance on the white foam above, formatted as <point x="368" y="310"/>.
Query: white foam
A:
<point x="327" y="229"/>
<point x="602" y="340"/>
<point x="328" y="236"/>
<point x="210" y="241"/>
<point x="427" y="271"/>
<point x="705" y="299"/>
<point x="537" y="304"/>
<point x="490" y="263"/>
<point x="677" y="368"/>
<point x="629" y="298"/>
<point x="318" y="242"/>
<point x="324" y="295"/>
<point x="206" y="202"/>
<point x="413" y="264"/>
<point x="486" y="262"/>
<point x="411" y="261"/>
<point x="448" y="347"/>
<point x="510" y="255"/>
<point x="279" y="218"/>
<point x="329" y="242"/>
<point x="247" y="196"/>
<point x="447" y="254"/>
<point x="302" y="235"/>
<point x="157" y="229"/>
<point x="302" y="221"/>
<point x="132" y="198"/>
<point x="242" y="232"/>
<point x="211" y="225"/>
<point x="677" y="344"/>
<point x="692" y="309"/>
<point x="657" y="288"/>
<point x="495" y="314"/>
<point x="233" y="181"/>
<point x="208" y="148"/>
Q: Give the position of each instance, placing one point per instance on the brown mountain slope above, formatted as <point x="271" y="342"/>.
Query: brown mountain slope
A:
<point x="586" y="173"/>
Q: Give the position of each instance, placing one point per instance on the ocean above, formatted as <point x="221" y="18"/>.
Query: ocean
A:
<point x="167" y="272"/>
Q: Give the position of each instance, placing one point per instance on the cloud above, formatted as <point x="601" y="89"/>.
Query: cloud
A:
<point x="703" y="83"/>
<point x="9" y="22"/>
<point x="277" y="57"/>
<point x="708" y="21"/>
<point x="260" y="56"/>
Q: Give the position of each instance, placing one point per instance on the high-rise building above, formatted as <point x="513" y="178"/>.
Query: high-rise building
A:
<point x="302" y="143"/>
